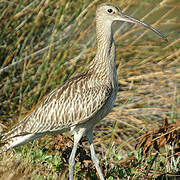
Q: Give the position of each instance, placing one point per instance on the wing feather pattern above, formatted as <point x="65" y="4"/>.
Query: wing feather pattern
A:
<point x="78" y="100"/>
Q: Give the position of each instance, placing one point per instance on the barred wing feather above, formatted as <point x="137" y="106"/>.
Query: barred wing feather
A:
<point x="75" y="102"/>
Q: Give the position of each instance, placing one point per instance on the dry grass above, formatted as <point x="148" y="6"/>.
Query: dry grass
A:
<point x="44" y="42"/>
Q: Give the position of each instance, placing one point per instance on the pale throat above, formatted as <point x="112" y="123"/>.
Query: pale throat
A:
<point x="104" y="36"/>
<point x="105" y="43"/>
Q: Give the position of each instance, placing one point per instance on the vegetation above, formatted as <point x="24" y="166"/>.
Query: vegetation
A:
<point x="43" y="43"/>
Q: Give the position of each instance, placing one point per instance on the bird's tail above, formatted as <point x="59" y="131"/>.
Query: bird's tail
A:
<point x="16" y="136"/>
<point x="15" y="141"/>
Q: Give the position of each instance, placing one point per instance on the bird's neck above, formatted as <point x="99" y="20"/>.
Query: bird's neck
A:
<point x="105" y="42"/>
<point x="104" y="61"/>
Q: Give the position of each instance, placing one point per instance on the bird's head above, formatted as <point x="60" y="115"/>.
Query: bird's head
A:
<point x="108" y="13"/>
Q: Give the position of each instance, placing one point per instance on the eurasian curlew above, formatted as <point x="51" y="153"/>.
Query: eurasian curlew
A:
<point x="84" y="99"/>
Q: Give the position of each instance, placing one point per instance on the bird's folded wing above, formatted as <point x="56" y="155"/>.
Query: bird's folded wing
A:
<point x="73" y="103"/>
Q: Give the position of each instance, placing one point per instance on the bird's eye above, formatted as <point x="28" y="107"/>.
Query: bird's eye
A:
<point x="110" y="11"/>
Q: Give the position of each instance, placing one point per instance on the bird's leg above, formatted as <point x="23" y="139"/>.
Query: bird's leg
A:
<point x="93" y="154"/>
<point x="77" y="138"/>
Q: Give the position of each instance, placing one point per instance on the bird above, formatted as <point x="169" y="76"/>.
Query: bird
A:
<point x="83" y="100"/>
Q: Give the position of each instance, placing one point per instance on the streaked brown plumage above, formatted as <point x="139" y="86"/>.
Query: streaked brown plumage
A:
<point x="83" y="100"/>
<point x="76" y="102"/>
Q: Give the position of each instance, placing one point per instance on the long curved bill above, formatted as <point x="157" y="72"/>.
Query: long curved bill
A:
<point x="126" y="18"/>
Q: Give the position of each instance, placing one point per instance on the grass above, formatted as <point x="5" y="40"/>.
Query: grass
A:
<point x="43" y="43"/>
